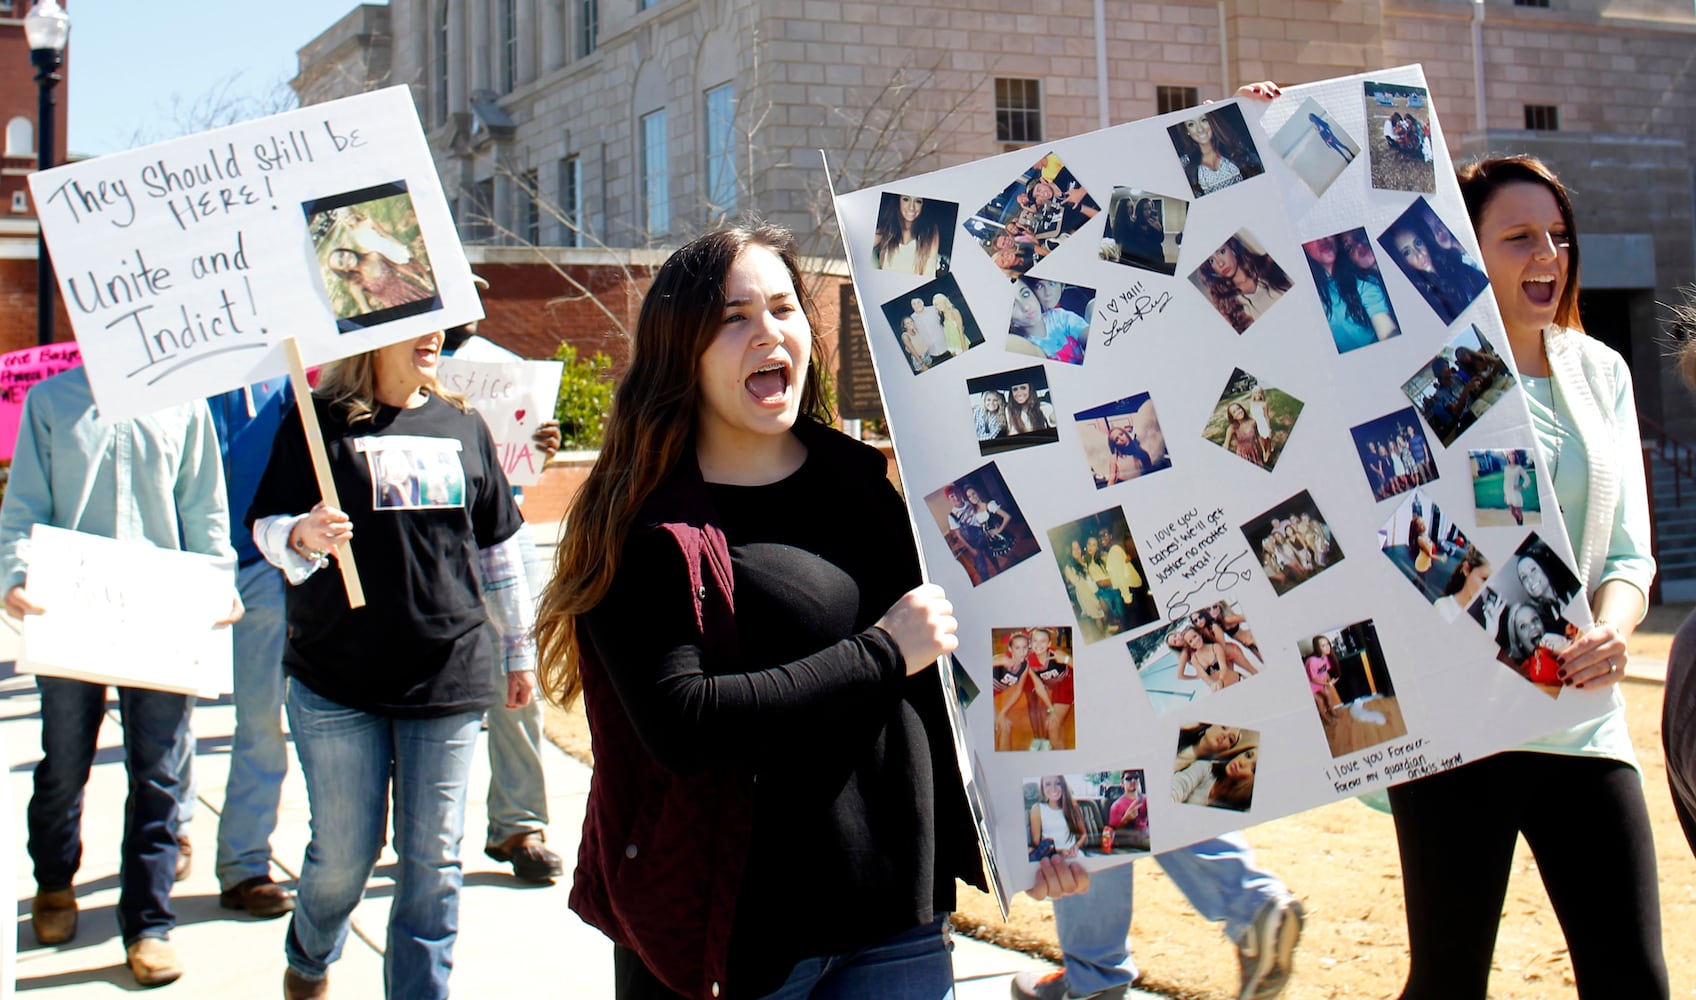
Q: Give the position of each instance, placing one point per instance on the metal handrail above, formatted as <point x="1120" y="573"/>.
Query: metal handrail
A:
<point x="1675" y="452"/>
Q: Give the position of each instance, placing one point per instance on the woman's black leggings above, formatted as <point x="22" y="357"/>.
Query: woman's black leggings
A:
<point x="1585" y="821"/>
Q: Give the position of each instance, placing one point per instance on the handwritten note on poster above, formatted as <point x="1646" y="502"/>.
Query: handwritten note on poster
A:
<point x="183" y="264"/>
<point x="18" y="371"/>
<point x="155" y="608"/>
<point x="514" y="398"/>
<point x="1192" y="448"/>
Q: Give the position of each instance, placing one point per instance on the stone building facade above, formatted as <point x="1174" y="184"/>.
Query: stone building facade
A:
<point x="633" y="123"/>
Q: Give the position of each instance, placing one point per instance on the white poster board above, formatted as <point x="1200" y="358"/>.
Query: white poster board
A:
<point x="1261" y="478"/>
<point x="184" y="264"/>
<point x="127" y="613"/>
<point x="514" y="398"/>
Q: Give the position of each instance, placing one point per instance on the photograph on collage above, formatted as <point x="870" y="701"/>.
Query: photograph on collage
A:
<point x="1252" y="421"/>
<point x="1504" y="487"/>
<point x="933" y="323"/>
<point x="1293" y="541"/>
<point x="1398" y="137"/>
<point x="1144" y="229"/>
<point x="1314" y="146"/>
<point x="1032" y="216"/>
<point x="914" y="235"/>
<point x="1094" y="814"/>
<point x="1012" y="410"/>
<point x="1032" y="681"/>
<point x="1240" y="280"/>
<point x="982" y="524"/>
<point x="1215" y="149"/>
<point x="1458" y="386"/>
<point x="1214" y="766"/>
<point x="1351" y="290"/>
<point x="1122" y="440"/>
<point x="1103" y="575"/>
<point x="1352" y="690"/>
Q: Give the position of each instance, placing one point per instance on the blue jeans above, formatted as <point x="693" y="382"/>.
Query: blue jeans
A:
<point x="349" y="758"/>
<point x="912" y="965"/>
<point x="154" y="722"/>
<point x="258" y="754"/>
<point x="1218" y="877"/>
<point x="518" y="796"/>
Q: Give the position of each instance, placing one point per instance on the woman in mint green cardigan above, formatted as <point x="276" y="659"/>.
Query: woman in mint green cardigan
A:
<point x="1576" y="795"/>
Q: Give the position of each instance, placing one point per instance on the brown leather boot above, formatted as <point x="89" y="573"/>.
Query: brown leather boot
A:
<point x="53" y="914"/>
<point x="298" y="987"/>
<point x="530" y="858"/>
<point x="153" y="961"/>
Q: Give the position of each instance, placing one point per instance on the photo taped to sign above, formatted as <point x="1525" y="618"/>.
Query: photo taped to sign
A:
<point x="371" y="256"/>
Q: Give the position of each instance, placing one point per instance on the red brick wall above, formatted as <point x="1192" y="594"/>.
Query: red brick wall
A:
<point x="17" y="307"/>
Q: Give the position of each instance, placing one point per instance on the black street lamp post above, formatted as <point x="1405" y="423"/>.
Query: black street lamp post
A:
<point x="48" y="28"/>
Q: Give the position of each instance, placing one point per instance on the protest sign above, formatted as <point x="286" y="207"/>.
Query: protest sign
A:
<point x="127" y="613"/>
<point x="18" y="371"/>
<point x="1198" y="468"/>
<point x="514" y="398"/>
<point x="184" y="264"/>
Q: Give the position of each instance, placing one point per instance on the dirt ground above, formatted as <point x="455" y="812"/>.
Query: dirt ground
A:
<point x="1341" y="861"/>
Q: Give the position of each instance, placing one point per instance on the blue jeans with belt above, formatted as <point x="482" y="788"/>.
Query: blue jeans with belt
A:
<point x="154" y="723"/>
<point x="352" y="761"/>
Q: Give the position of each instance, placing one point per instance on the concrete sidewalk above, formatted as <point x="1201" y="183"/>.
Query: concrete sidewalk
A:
<point x="515" y="940"/>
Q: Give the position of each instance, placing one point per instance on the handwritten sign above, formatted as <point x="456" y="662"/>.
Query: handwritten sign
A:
<point x="1231" y="507"/>
<point x="183" y="264"/>
<point x="18" y="371"/>
<point x="154" y="607"/>
<point x="514" y="398"/>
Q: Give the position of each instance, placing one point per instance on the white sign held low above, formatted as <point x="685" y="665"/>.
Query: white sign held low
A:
<point x="127" y="613"/>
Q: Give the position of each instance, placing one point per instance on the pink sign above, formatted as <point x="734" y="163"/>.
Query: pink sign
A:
<point x="18" y="371"/>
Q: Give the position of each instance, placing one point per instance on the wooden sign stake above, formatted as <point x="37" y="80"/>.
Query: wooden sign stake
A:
<point x="321" y="465"/>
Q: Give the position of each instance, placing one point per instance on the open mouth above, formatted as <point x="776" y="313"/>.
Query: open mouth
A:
<point x="1540" y="290"/>
<point x="769" y="383"/>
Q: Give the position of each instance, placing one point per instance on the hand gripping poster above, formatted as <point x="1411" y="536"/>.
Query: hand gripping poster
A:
<point x="1212" y="434"/>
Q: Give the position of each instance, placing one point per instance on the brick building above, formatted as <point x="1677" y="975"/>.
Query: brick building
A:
<point x="18" y="157"/>
<point x="580" y="124"/>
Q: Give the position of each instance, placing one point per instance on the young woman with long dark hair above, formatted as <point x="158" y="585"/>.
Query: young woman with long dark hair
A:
<point x="757" y="679"/>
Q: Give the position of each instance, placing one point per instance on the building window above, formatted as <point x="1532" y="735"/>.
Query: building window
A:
<point x="1018" y="111"/>
<point x="1542" y="118"/>
<point x="509" y="46"/>
<point x="442" y="65"/>
<point x="721" y="149"/>
<point x="477" y="212"/>
<point x="20" y="137"/>
<point x="588" y="26"/>
<point x="1170" y="99"/>
<point x="656" y="184"/>
<point x="571" y="202"/>
<point x="1531" y="3"/>
<point x="529" y="221"/>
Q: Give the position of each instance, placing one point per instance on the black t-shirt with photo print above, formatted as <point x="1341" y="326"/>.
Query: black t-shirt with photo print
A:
<point x="425" y="490"/>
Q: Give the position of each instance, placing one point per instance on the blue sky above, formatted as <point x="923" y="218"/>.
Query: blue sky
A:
<point x="130" y="60"/>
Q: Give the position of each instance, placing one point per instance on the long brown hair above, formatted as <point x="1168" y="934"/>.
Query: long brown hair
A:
<point x="650" y="428"/>
<point x="1479" y="182"/>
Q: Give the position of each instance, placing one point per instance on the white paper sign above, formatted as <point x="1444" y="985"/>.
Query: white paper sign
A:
<point x="514" y="398"/>
<point x="1231" y="476"/>
<point x="127" y="613"/>
<point x="184" y="264"/>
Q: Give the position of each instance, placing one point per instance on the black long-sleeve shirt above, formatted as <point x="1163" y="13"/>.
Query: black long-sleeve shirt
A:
<point x="856" y="795"/>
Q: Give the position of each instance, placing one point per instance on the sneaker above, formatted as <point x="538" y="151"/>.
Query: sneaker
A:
<point x="1052" y="986"/>
<point x="1266" y="952"/>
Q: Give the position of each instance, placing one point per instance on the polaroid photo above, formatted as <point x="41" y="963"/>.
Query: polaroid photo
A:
<point x="1398" y="137"/>
<point x="933" y="323"/>
<point x="1050" y="319"/>
<point x="1103" y="575"/>
<point x="1012" y="410"/>
<point x="1293" y="541"/>
<point x="371" y="256"/>
<point x="1215" y="765"/>
<point x="1144" y="229"/>
<point x="1032" y="216"/>
<point x="1122" y="440"/>
<point x="1252" y="421"/>
<point x="1032" y="680"/>
<point x="1240" y="280"/>
<point x="914" y="235"/>
<point x="1458" y="386"/>
<point x="1394" y="453"/>
<point x="982" y="524"/>
<point x="1434" y="261"/>
<point x="1504" y="487"/>
<point x="1215" y="149"/>
<point x="1314" y="146"/>
<point x="1351" y="290"/>
<point x="1353" y="693"/>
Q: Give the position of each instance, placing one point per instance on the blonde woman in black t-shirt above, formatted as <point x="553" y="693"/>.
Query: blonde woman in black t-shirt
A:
<point x="385" y="701"/>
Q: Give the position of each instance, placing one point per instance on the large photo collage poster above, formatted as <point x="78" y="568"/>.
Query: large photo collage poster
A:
<point x="1208" y="426"/>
